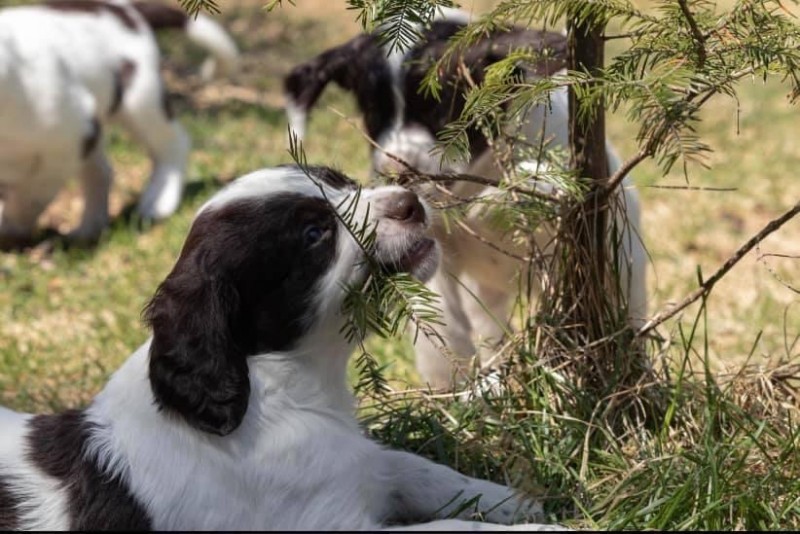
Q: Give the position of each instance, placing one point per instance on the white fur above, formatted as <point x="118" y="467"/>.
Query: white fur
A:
<point x="206" y="32"/>
<point x="298" y="118"/>
<point x="47" y="503"/>
<point x="298" y="460"/>
<point x="57" y="77"/>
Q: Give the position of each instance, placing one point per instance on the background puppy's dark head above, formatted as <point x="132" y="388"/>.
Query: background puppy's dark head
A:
<point x="388" y="88"/>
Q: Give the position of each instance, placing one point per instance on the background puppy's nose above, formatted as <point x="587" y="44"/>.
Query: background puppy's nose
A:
<point x="405" y="206"/>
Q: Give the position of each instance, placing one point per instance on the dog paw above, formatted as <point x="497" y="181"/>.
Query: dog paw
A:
<point x="515" y="510"/>
<point x="158" y="204"/>
<point x="500" y="504"/>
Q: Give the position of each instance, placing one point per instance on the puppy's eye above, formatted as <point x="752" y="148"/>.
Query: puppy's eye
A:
<point x="314" y="234"/>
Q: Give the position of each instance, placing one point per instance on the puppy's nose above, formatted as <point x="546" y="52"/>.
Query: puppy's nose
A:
<point x="405" y="207"/>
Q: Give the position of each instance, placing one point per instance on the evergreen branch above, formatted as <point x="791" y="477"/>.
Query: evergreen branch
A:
<point x="193" y="7"/>
<point x="272" y="4"/>
<point x="396" y="22"/>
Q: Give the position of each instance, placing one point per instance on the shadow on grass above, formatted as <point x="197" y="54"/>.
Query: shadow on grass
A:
<point x="49" y="240"/>
<point x="228" y="108"/>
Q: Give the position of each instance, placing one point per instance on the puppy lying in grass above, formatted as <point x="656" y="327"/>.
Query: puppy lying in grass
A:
<point x="236" y="414"/>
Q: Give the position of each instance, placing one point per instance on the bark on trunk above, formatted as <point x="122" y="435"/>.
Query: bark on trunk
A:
<point x="587" y="225"/>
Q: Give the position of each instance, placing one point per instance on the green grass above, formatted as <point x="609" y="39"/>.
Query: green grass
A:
<point x="727" y="457"/>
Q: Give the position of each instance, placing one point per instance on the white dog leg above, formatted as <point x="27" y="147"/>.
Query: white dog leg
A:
<point x="422" y="488"/>
<point x="24" y="203"/>
<point x="436" y="368"/>
<point x="634" y="259"/>
<point x="487" y="310"/>
<point x="96" y="177"/>
<point x="632" y="254"/>
<point x="147" y="116"/>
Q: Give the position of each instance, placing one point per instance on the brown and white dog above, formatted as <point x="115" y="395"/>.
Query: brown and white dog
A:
<point x="475" y="280"/>
<point x="67" y="69"/>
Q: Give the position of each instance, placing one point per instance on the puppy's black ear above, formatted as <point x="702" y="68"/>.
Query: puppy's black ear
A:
<point x="196" y="368"/>
<point x="346" y="65"/>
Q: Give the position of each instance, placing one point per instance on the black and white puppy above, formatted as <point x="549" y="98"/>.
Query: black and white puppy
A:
<point x="404" y="122"/>
<point x="67" y="69"/>
<point x="235" y="414"/>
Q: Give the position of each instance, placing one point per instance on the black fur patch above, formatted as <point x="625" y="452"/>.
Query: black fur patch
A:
<point x="122" y="80"/>
<point x="93" y="6"/>
<point x="96" y="502"/>
<point x="91" y="139"/>
<point x="434" y="115"/>
<point x="359" y="65"/>
<point x="166" y="103"/>
<point x="160" y="16"/>
<point x="241" y="286"/>
<point x="8" y="508"/>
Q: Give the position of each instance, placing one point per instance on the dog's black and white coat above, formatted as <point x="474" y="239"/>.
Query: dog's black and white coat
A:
<point x="404" y="122"/>
<point x="67" y="69"/>
<point x="235" y="414"/>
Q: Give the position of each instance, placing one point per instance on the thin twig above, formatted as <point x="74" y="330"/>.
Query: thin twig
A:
<point x="699" y="38"/>
<point x="705" y="287"/>
<point x="410" y="171"/>
<point x="626" y="167"/>
<point x="694" y="188"/>
<point x="461" y="224"/>
<point x="629" y="35"/>
<point x="762" y="258"/>
<point x="413" y="175"/>
<point x="776" y="255"/>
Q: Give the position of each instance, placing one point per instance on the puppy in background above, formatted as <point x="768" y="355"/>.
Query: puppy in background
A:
<point x="476" y="281"/>
<point x="69" y="68"/>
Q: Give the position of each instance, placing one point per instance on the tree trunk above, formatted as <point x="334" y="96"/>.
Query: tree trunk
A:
<point x="587" y="283"/>
<point x="605" y="363"/>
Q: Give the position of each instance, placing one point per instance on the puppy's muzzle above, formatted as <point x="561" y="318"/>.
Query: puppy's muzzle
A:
<point x="405" y="207"/>
<point x="404" y="243"/>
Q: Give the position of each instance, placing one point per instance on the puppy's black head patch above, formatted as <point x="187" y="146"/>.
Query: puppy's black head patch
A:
<point x="243" y="285"/>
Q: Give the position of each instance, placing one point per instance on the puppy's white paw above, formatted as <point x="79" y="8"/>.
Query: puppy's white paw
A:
<point x="160" y="201"/>
<point x="499" y="504"/>
<point x="515" y="510"/>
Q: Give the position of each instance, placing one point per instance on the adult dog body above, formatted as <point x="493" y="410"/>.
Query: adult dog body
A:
<point x="67" y="69"/>
<point x="235" y="414"/>
<point x="404" y="123"/>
